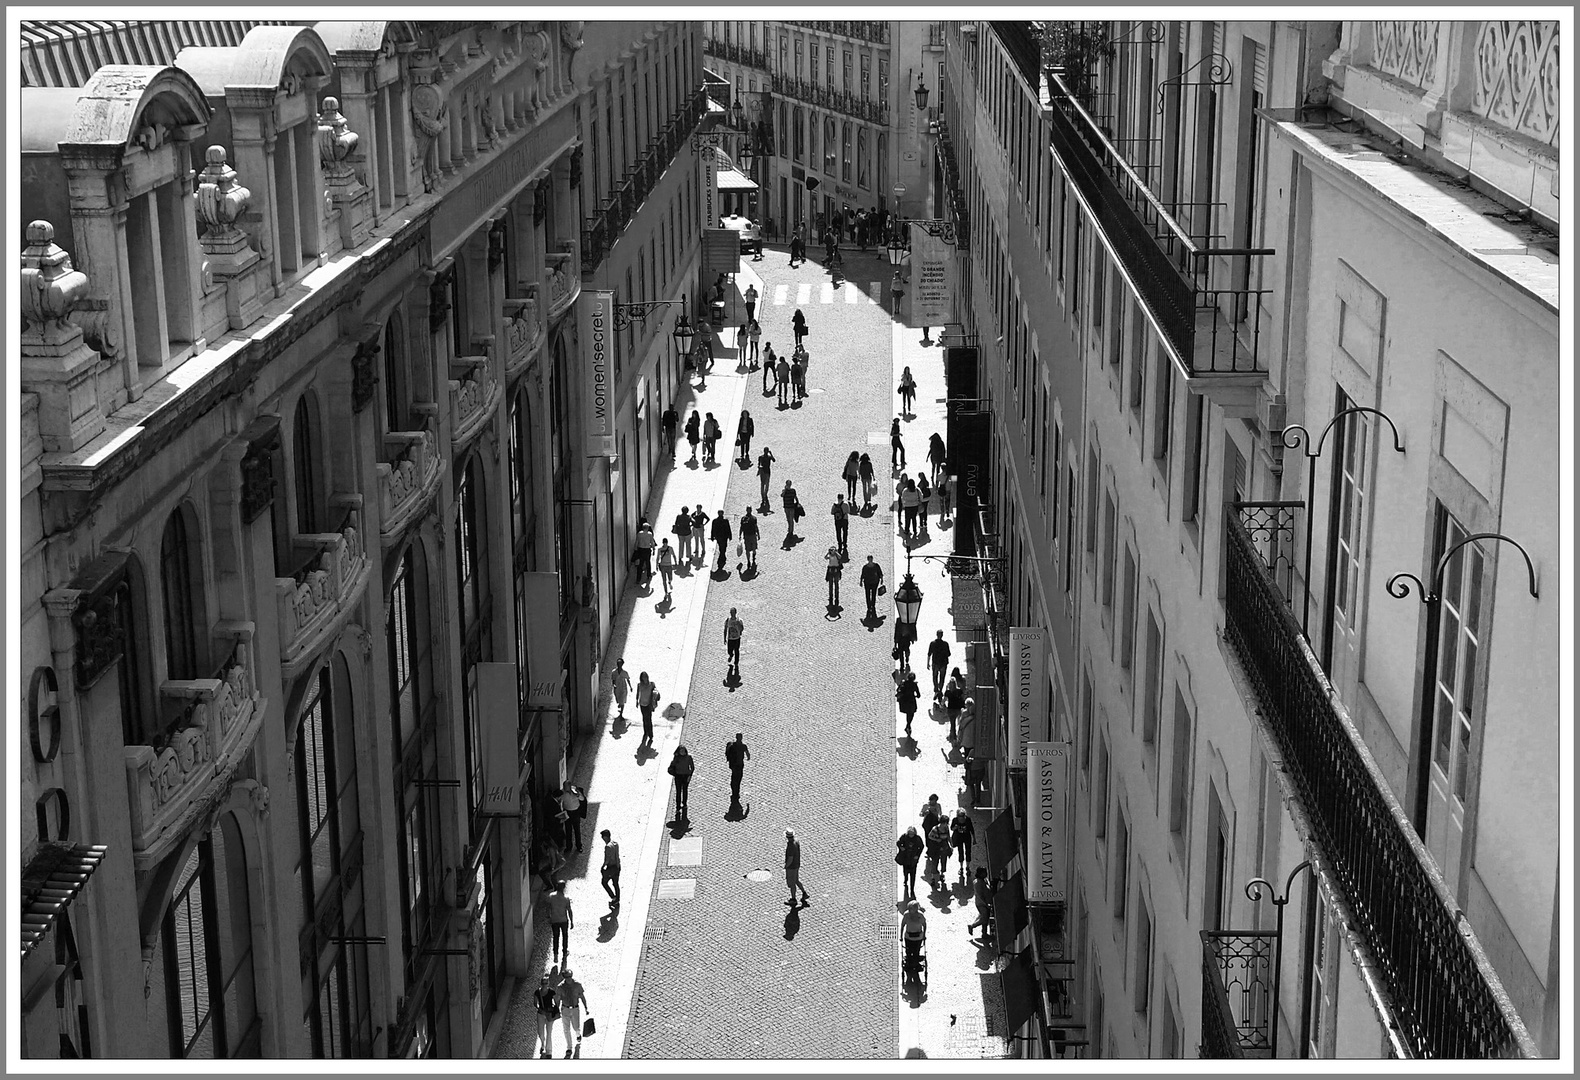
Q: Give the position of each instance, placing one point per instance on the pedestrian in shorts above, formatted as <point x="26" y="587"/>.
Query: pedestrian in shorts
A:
<point x="547" y="1001"/>
<point x="733" y="629"/>
<point x="620" y="683"/>
<point x="666" y="569"/>
<point x="749" y="533"/>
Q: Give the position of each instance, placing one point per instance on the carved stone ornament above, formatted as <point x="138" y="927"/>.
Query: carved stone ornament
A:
<point x="571" y="35"/>
<point x="260" y="801"/>
<point x="50" y="287"/>
<point x="364" y="373"/>
<point x="336" y="140"/>
<point x="221" y="200"/>
<point x="430" y="113"/>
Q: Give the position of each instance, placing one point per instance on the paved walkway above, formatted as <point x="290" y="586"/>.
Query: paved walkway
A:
<point x="705" y="960"/>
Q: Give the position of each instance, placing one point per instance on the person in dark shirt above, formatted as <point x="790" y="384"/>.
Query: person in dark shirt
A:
<point x="737" y="754"/>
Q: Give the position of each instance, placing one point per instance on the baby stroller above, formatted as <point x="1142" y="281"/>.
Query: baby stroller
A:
<point x="913" y="964"/>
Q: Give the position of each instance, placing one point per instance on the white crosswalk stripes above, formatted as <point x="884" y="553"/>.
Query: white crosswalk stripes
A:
<point x="852" y="294"/>
<point x="803" y="294"/>
<point x="828" y="292"/>
<point x="780" y="293"/>
<point x="874" y="291"/>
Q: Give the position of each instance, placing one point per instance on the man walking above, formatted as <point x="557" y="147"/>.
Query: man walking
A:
<point x="666" y="568"/>
<point x="938" y="662"/>
<point x="572" y="996"/>
<point x="768" y="368"/>
<point x="751" y="302"/>
<point x="681" y="767"/>
<point x="765" y="471"/>
<point x="749" y="534"/>
<point x="871" y="578"/>
<point x="793" y="870"/>
<point x="647" y="701"/>
<point x="710" y="440"/>
<point x="737" y="754"/>
<point x="841" y="514"/>
<point x="561" y="921"/>
<point x="782" y="379"/>
<point x="610" y="874"/>
<point x="573" y="802"/>
<point x="733" y="629"/>
<point x="671" y="423"/>
<point x="722" y="535"/>
<point x="682" y="529"/>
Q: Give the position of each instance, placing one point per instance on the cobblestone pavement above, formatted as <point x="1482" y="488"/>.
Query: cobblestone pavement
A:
<point x="733" y="972"/>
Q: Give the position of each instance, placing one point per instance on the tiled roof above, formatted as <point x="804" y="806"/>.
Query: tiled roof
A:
<point x="67" y="53"/>
<point x="50" y="882"/>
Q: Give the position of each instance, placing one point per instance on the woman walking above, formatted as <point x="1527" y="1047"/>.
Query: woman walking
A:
<point x="938" y="852"/>
<point x="666" y="572"/>
<point x="769" y="360"/>
<point x="644" y="550"/>
<point x="907" y="392"/>
<point x="765" y="471"/>
<point x="743" y="437"/>
<point x="798" y="374"/>
<point x="908" y="853"/>
<point x="620" y="684"/>
<point x="647" y="701"/>
<point x="792" y="507"/>
<point x="836" y="568"/>
<point x="954" y="701"/>
<point x="547" y="1002"/>
<point x="693" y="433"/>
<point x="682" y="530"/>
<point x="869" y="480"/>
<point x="851" y="473"/>
<point x="798" y="323"/>
<point x="699" y="535"/>
<point x="935" y="455"/>
<point x="962" y="831"/>
<point x="910" y="502"/>
<point x="945" y="491"/>
<point x="896" y="445"/>
<point x="907" y="695"/>
<point x="754" y="333"/>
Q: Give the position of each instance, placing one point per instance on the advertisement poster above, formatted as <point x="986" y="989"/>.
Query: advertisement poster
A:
<point x="930" y="295"/>
<point x="597" y="313"/>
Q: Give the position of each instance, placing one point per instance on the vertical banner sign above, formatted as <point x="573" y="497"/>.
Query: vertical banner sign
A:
<point x="1028" y="690"/>
<point x="498" y="720"/>
<point x="710" y="186"/>
<point x="542" y="593"/>
<point x="597" y="338"/>
<point x="930" y="294"/>
<point x="970" y="435"/>
<point x="1047" y="781"/>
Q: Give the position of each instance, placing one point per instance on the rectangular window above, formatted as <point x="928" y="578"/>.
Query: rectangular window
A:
<point x="1086" y="719"/>
<point x="1076" y="255"/>
<point x="1069" y="534"/>
<point x="850" y="83"/>
<point x="1459" y="641"/>
<point x="1121" y="864"/>
<point x="816" y="63"/>
<point x="1138" y="359"/>
<point x="1351" y="493"/>
<point x="1152" y="684"/>
<point x="1127" y="623"/>
<point x="883" y="164"/>
<point x="866" y="76"/>
<point x="828" y="66"/>
<point x="844" y="152"/>
<point x="1163" y="411"/>
<point x="799" y="66"/>
<point x="1091" y="499"/>
<point x="1064" y="212"/>
<point x="1058" y="475"/>
<point x="1180" y="769"/>
<point x="1143" y="979"/>
<point x="1110" y="530"/>
<point x="1100" y="792"/>
<point x="883" y="79"/>
<point x="1196" y="440"/>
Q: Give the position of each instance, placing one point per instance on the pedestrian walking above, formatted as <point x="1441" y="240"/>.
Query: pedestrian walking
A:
<point x="751" y="302"/>
<point x="666" y="569"/>
<point x="620" y="684"/>
<point x="907" y="392"/>
<point x="547" y="1001"/>
<point x="896" y="446"/>
<point x="644" y="550"/>
<point x="693" y="432"/>
<point x="671" y="422"/>
<point x="573" y="804"/>
<point x="945" y="491"/>
<point x="765" y="472"/>
<point x="907" y="695"/>
<point x="798" y="373"/>
<point x="910" y="503"/>
<point x="561" y="921"/>
<point x="793" y="869"/>
<point x="742" y="337"/>
<point x="699" y="535"/>
<point x="609" y="873"/>
<point x="938" y="852"/>
<point x="769" y="367"/>
<point x="710" y="439"/>
<point x="572" y="996"/>
<point x="792" y="507"/>
<point x="851" y="473"/>
<point x="840" y="512"/>
<point x="982" y="890"/>
<point x="908" y="853"/>
<point x="871" y="582"/>
<point x="903" y="636"/>
<point x="798" y="324"/>
<point x="932" y="813"/>
<point x="754" y="334"/>
<point x="743" y="436"/>
<point x="936" y="456"/>
<point x="954" y="701"/>
<point x="682" y="530"/>
<point x="962" y="832"/>
<point x="926" y="492"/>
<point x="835" y="563"/>
<point x="646" y="701"/>
<point x="782" y="380"/>
<point x="749" y="533"/>
<point x="733" y="629"/>
<point x="938" y="663"/>
<point x="681" y="767"/>
<point x="737" y="754"/>
<point x="869" y="480"/>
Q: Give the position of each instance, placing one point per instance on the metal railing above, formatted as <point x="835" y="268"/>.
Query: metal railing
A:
<point x="959" y="209"/>
<point x="1205" y="299"/>
<point x="1446" y="999"/>
<point x="872" y="31"/>
<point x="736" y="53"/>
<point x="601" y="231"/>
<point x="841" y="101"/>
<point x="1237" y="993"/>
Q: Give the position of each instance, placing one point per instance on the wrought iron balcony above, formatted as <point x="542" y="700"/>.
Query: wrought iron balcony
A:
<point x="959" y="208"/>
<point x="196" y="756"/>
<point x="872" y="31"/>
<point x="1237" y="993"/>
<point x="1207" y="300"/>
<point x="1447" y="1000"/>
<point x="736" y="53"/>
<point x="407" y="481"/>
<point x="874" y="111"/>
<point x="602" y="230"/>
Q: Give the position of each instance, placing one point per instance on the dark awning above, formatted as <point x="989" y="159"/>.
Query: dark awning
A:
<point x="1009" y="911"/>
<point x="1000" y="842"/>
<point x="1021" y="996"/>
<point x="50" y="882"/>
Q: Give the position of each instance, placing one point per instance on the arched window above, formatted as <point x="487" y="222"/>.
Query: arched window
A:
<point x="303" y="445"/>
<point x="394" y="398"/>
<point x="471" y="553"/>
<point x="179" y="590"/>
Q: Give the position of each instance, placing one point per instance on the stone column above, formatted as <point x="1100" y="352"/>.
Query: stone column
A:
<point x="253" y="140"/>
<point x="98" y="219"/>
<point x="359" y="100"/>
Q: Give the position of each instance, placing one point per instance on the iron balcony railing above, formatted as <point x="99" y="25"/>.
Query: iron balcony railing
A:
<point x="1447" y="1000"/>
<point x="1023" y="42"/>
<point x="736" y="53"/>
<point x="1207" y="300"/>
<point x="959" y="209"/>
<point x="603" y="229"/>
<point x="841" y="101"/>
<point x="1237" y="993"/>
<point x="875" y="32"/>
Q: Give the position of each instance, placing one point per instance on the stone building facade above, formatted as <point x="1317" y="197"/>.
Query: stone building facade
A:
<point x="310" y="619"/>
<point x="1262" y="319"/>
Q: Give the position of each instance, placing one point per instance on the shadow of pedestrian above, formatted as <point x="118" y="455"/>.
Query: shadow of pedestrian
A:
<point x="608" y="926"/>
<point x="619" y="726"/>
<point x="665" y="606"/>
<point x="737" y="812"/>
<point x="644" y="754"/>
<point x="874" y="622"/>
<point x="987" y="953"/>
<point x="732" y="680"/>
<point x="711" y="465"/>
<point x="792" y="923"/>
<point x="748" y="573"/>
<point x="914" y="989"/>
<point x="908" y="748"/>
<point x="678" y="828"/>
<point x="791" y="541"/>
<point x="916" y="1052"/>
<point x="834" y="612"/>
<point x="721" y="574"/>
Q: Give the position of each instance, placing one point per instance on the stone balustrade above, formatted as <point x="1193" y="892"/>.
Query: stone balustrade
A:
<point x="565" y="279"/>
<point x="472" y="397"/>
<point x="217" y="722"/>
<point x="407" y="481"/>
<point x="523" y="332"/>
<point x="313" y="604"/>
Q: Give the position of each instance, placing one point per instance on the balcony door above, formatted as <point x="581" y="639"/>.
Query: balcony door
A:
<point x="1349" y="512"/>
<point x="1454" y="702"/>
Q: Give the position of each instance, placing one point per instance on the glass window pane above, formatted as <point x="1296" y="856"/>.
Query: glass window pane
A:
<point x="1472" y="606"/>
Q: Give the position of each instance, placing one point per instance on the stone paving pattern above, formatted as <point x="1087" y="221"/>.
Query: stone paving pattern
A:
<point x="734" y="973"/>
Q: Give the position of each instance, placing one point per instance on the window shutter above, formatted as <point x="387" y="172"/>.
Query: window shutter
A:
<point x="1259" y="70"/>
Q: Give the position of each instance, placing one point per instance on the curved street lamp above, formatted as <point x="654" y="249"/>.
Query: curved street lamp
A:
<point x="921" y="93"/>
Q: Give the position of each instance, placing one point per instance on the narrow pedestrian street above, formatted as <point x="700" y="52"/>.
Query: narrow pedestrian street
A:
<point x="705" y="959"/>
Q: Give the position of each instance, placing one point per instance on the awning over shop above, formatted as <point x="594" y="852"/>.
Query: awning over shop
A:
<point x="733" y="180"/>
<point x="1000" y="842"/>
<point x="1021" y="997"/>
<point x="50" y="882"/>
<point x="1009" y="911"/>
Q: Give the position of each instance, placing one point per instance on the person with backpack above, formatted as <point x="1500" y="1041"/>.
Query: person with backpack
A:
<point x="749" y="533"/>
<point x="840" y="512"/>
<point x="681" y="767"/>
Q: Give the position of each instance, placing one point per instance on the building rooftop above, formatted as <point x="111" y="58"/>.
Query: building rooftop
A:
<point x="68" y="52"/>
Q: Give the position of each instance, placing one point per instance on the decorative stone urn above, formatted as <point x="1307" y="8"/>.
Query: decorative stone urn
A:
<point x="57" y="364"/>
<point x="336" y="145"/>
<point x="221" y="203"/>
